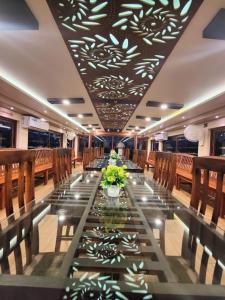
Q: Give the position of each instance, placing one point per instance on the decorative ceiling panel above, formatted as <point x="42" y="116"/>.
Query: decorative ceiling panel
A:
<point x="119" y="46"/>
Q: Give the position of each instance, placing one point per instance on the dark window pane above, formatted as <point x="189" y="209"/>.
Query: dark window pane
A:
<point x="219" y="142"/>
<point x="155" y="145"/>
<point x="55" y="140"/>
<point x="180" y="144"/>
<point x="37" y="139"/>
<point x="185" y="146"/>
<point x="7" y="129"/>
<point x="170" y="144"/>
<point x="96" y="142"/>
<point x="83" y="142"/>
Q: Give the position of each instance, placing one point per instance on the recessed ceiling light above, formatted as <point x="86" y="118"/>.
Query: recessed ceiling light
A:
<point x="80" y="116"/>
<point x="12" y="108"/>
<point x="217" y="117"/>
<point x="108" y="130"/>
<point x="184" y="126"/>
<point x="118" y="130"/>
<point x="89" y="125"/>
<point x="147" y="119"/>
<point x="65" y="102"/>
<point x="45" y="111"/>
<point x="43" y="120"/>
<point x="132" y="130"/>
<point x="136" y="127"/>
<point x="183" y="117"/>
<point x="163" y="106"/>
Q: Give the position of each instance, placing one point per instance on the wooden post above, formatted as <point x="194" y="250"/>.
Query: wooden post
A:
<point x="89" y="140"/>
<point x="135" y="142"/>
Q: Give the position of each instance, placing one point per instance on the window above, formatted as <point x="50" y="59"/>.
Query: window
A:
<point x="44" y="139"/>
<point x="180" y="144"/>
<point x="154" y="145"/>
<point x="7" y="133"/>
<point x="142" y="144"/>
<point x="96" y="142"/>
<point x="218" y="141"/>
<point x="55" y="139"/>
<point x="83" y="142"/>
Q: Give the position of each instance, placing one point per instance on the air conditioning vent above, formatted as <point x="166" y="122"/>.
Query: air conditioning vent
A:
<point x="33" y="122"/>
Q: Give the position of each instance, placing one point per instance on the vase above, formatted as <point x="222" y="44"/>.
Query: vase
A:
<point x="112" y="162"/>
<point x="113" y="191"/>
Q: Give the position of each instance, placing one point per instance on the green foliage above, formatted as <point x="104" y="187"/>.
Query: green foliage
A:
<point x="114" y="155"/>
<point x="113" y="175"/>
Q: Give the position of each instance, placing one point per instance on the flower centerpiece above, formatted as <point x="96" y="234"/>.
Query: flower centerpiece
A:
<point x="114" y="178"/>
<point x="113" y="157"/>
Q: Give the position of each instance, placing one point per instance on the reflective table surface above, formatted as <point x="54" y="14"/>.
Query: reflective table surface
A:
<point x="100" y="163"/>
<point x="79" y="244"/>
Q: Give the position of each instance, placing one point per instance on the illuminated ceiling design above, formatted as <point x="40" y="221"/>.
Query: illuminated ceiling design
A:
<point x="119" y="47"/>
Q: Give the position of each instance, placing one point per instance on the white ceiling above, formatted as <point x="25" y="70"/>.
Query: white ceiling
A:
<point x="39" y="63"/>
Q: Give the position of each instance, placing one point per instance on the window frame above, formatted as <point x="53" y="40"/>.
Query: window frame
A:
<point x="213" y="132"/>
<point x="14" y="133"/>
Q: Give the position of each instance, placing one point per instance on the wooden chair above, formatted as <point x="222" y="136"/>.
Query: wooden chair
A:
<point x="135" y="156"/>
<point x="183" y="169"/>
<point x="23" y="162"/>
<point x="165" y="169"/>
<point x="127" y="153"/>
<point x="87" y="157"/>
<point x="150" y="162"/>
<point x="142" y="155"/>
<point x="62" y="164"/>
<point x="62" y="169"/>
<point x="208" y="173"/>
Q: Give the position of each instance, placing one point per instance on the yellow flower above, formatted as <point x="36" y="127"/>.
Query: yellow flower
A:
<point x="112" y="178"/>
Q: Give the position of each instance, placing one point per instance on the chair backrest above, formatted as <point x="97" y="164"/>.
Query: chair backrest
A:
<point x="152" y="157"/>
<point x="62" y="164"/>
<point x="135" y="156"/>
<point x="17" y="165"/>
<point x="208" y="173"/>
<point x="142" y="156"/>
<point x="165" y="169"/>
<point x="87" y="157"/>
<point x="127" y="153"/>
<point x="184" y="162"/>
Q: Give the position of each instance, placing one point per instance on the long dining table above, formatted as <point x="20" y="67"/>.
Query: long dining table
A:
<point x="79" y="244"/>
<point x="102" y="162"/>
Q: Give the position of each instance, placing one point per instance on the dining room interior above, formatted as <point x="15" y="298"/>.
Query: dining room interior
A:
<point x="112" y="149"/>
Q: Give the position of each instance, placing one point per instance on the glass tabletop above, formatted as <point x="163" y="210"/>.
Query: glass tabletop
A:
<point x="103" y="162"/>
<point x="141" y="245"/>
